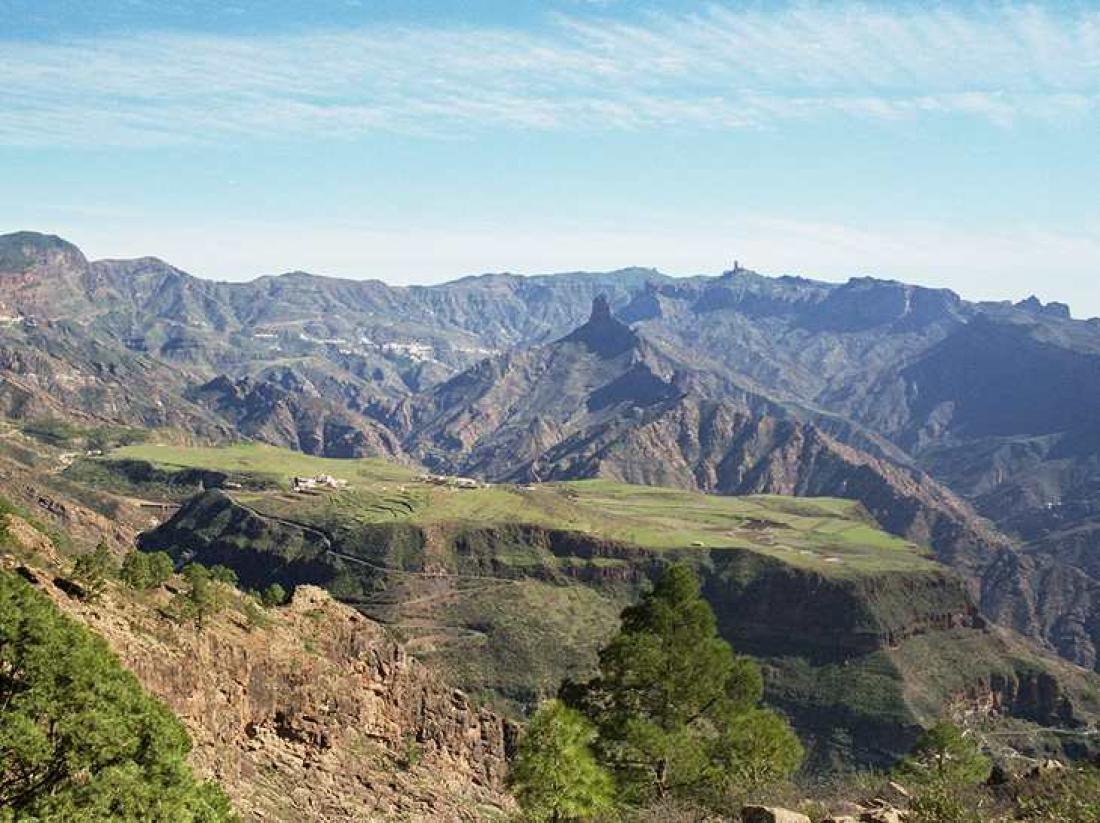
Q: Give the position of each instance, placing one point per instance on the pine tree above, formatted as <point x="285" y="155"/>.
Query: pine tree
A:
<point x="204" y="597"/>
<point x="93" y="568"/>
<point x="946" y="755"/>
<point x="555" y="776"/>
<point x="141" y="570"/>
<point x="677" y="712"/>
<point x="273" y="595"/>
<point x="79" y="739"/>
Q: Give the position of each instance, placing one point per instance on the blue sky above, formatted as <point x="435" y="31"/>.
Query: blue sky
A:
<point x="946" y="144"/>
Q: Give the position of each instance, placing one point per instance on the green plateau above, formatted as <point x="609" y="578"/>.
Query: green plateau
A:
<point x="508" y="589"/>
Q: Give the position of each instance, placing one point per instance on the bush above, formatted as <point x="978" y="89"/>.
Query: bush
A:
<point x="411" y="753"/>
<point x="1056" y="796"/>
<point x="939" y="802"/>
<point x="93" y="569"/>
<point x="273" y="595"/>
<point x="53" y="432"/>
<point x="141" y="570"/>
<point x="79" y="739"/>
<point x="253" y="612"/>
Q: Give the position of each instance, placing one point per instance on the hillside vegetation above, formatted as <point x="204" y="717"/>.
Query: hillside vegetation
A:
<point x="79" y="738"/>
<point x="509" y="589"/>
<point x="828" y="535"/>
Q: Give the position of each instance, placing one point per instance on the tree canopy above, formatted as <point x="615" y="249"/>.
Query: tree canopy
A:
<point x="676" y="711"/>
<point x="555" y="775"/>
<point x="207" y="592"/>
<point x="79" y="739"/>
<point x="945" y="754"/>
<point x="146" y="570"/>
<point x="94" y="568"/>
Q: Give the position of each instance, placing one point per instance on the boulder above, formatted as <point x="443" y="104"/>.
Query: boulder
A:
<point x="883" y="814"/>
<point x="1046" y="767"/>
<point x="771" y="814"/>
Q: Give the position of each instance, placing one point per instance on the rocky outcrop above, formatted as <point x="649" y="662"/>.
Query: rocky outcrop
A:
<point x="771" y="814"/>
<point x="313" y="713"/>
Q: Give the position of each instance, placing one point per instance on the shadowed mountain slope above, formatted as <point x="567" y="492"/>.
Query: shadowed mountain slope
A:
<point x="727" y="384"/>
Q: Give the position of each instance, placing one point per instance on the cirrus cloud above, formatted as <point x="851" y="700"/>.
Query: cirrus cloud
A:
<point x="716" y="68"/>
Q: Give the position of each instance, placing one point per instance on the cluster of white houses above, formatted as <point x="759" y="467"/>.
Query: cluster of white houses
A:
<point x="319" y="481"/>
<point x="449" y="480"/>
<point x="326" y="482"/>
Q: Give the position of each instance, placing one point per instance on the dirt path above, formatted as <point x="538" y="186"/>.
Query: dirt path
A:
<point x="413" y="614"/>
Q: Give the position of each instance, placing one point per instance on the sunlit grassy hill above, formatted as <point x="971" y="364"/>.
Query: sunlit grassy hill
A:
<point x="825" y="534"/>
<point x="509" y="589"/>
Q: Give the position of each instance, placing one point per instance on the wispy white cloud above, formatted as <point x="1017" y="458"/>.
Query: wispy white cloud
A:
<point x="719" y="67"/>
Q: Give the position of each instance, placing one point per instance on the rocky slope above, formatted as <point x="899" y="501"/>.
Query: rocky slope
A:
<point x="994" y="401"/>
<point x="315" y="714"/>
<point x="860" y="657"/>
<point x="291" y="412"/>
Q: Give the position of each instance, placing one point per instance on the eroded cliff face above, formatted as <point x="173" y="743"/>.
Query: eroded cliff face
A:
<point x="860" y="660"/>
<point x="315" y="714"/>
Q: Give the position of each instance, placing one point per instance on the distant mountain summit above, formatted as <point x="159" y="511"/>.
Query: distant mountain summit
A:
<point x="603" y="334"/>
<point x="926" y="407"/>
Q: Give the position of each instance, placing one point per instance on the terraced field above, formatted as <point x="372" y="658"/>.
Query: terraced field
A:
<point x="824" y="534"/>
<point x="510" y="589"/>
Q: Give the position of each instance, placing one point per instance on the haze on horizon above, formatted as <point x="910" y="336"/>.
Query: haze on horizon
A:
<point x="948" y="145"/>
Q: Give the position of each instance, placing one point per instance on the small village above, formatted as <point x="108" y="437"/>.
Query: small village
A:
<point x="452" y="481"/>
<point x="326" y="482"/>
<point x="319" y="482"/>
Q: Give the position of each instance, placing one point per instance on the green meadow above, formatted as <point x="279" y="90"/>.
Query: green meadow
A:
<point x="826" y="534"/>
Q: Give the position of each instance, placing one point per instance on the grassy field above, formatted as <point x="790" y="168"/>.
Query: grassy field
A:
<point x="829" y="535"/>
<point x="475" y="584"/>
<point x="258" y="459"/>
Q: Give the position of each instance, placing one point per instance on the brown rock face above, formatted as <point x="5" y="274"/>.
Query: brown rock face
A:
<point x="769" y="814"/>
<point x="315" y="715"/>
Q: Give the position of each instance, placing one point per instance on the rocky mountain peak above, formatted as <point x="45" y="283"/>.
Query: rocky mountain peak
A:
<point x="601" y="309"/>
<point x="603" y="334"/>
<point x="1033" y="305"/>
<point x="24" y="249"/>
<point x="30" y="247"/>
<point x="42" y="276"/>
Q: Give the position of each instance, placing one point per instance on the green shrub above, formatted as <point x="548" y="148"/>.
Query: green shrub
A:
<point x="94" y="568"/>
<point x="53" y="432"/>
<point x="938" y="802"/>
<point x="555" y="775"/>
<point x="273" y="595"/>
<point x="223" y="574"/>
<point x="411" y="753"/>
<point x="1060" y="795"/>
<point x="253" y="611"/>
<point x="79" y="739"/>
<point x="142" y="570"/>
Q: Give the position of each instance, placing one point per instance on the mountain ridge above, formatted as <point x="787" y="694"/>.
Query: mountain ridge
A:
<point x="912" y="379"/>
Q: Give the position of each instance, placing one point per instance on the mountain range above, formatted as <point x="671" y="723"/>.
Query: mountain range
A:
<point x="970" y="427"/>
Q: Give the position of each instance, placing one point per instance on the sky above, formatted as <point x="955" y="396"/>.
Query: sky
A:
<point x="414" y="141"/>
